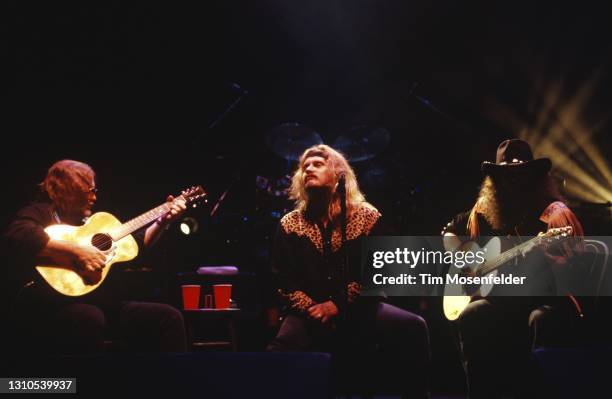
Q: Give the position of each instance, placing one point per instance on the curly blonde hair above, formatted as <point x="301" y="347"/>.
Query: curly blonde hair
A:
<point x="339" y="165"/>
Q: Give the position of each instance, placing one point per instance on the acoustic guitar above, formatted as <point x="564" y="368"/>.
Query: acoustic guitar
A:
<point x="458" y="296"/>
<point x="105" y="232"/>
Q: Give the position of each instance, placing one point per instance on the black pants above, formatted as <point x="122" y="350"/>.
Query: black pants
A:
<point x="377" y="343"/>
<point x="67" y="326"/>
<point x="497" y="336"/>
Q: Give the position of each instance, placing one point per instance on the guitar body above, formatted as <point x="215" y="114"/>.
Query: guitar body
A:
<point x="105" y="232"/>
<point x="456" y="296"/>
<point x="65" y="280"/>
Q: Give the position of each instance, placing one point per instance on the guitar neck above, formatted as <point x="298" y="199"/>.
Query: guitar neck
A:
<point x="139" y="222"/>
<point x="508" y="255"/>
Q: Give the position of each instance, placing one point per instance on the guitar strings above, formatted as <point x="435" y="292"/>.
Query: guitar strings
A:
<point x="504" y="257"/>
<point x="146" y="218"/>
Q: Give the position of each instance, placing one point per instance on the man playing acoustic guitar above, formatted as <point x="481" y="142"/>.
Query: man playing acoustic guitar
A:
<point x="517" y="199"/>
<point x="66" y="324"/>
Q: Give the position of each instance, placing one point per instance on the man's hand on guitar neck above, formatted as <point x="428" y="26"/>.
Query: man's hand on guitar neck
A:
<point x="177" y="208"/>
<point x="153" y="232"/>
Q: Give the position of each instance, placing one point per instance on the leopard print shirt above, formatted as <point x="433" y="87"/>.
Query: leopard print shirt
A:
<point x="360" y="223"/>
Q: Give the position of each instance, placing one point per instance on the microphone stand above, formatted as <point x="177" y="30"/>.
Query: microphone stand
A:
<point x="226" y="111"/>
<point x="427" y="103"/>
<point x="344" y="258"/>
<point x="219" y="202"/>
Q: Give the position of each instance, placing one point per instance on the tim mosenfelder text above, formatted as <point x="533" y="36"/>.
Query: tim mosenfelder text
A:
<point x="459" y="259"/>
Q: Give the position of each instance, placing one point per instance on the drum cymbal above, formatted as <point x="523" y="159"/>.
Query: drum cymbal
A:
<point x="374" y="176"/>
<point x="289" y="140"/>
<point x="362" y="143"/>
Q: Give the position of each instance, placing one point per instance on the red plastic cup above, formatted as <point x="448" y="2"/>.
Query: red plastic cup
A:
<point x="191" y="296"/>
<point x="223" y="293"/>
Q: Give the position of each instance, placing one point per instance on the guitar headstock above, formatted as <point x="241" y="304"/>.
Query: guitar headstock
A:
<point x="558" y="233"/>
<point x="194" y="196"/>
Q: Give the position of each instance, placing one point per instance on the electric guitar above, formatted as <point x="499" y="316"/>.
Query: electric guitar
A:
<point x="108" y="234"/>
<point x="458" y="296"/>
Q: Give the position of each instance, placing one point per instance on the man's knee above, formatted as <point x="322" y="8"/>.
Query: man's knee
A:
<point x="477" y="312"/>
<point x="170" y="314"/>
<point x="403" y="327"/>
<point x="292" y="336"/>
<point x="80" y="328"/>
<point x="392" y="317"/>
<point x="82" y="317"/>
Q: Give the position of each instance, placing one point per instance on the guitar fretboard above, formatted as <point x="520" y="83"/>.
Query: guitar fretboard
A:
<point x="138" y="222"/>
<point x="508" y="255"/>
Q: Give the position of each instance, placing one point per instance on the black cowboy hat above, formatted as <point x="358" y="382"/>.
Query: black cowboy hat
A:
<point x="515" y="155"/>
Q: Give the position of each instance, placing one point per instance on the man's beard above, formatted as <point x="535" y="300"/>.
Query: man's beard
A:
<point x="502" y="207"/>
<point x="75" y="211"/>
<point x="318" y="201"/>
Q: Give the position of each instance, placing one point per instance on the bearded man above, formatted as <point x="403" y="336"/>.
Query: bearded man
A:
<point x="517" y="199"/>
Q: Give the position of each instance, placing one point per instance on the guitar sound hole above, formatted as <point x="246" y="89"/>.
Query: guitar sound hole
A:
<point x="102" y="241"/>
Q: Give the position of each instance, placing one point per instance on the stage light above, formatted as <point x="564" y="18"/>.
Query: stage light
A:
<point x="563" y="128"/>
<point x="188" y="226"/>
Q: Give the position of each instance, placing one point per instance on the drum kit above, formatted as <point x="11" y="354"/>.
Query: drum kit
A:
<point x="360" y="145"/>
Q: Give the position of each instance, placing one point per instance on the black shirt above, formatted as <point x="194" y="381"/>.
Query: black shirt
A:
<point x="307" y="257"/>
<point x="25" y="237"/>
<point x="535" y="265"/>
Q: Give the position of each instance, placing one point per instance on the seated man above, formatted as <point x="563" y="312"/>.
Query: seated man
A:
<point x="517" y="200"/>
<point x="308" y="256"/>
<point x="46" y="321"/>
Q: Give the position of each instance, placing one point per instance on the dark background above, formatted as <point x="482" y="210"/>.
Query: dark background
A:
<point x="133" y="89"/>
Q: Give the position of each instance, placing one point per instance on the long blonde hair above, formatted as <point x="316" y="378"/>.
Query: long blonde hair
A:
<point x="339" y="165"/>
